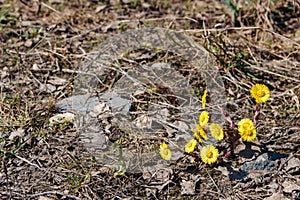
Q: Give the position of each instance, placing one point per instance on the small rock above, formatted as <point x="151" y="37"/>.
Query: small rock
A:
<point x="289" y="187"/>
<point x="146" y="5"/>
<point x="66" y="192"/>
<point x="143" y="121"/>
<point x="266" y="161"/>
<point x="223" y="170"/>
<point x="277" y="196"/>
<point x="100" y="8"/>
<point x="26" y="23"/>
<point x="44" y="198"/>
<point x="3" y="73"/>
<point x="119" y="105"/>
<point x="61" y="118"/>
<point x="274" y="187"/>
<point x="50" y="88"/>
<point x="35" y="67"/>
<point x="80" y="103"/>
<point x="18" y="133"/>
<point x="293" y="165"/>
<point x="151" y="193"/>
<point x="57" y="81"/>
<point x="100" y="109"/>
<point x="126" y="1"/>
<point x="188" y="187"/>
<point x="28" y="43"/>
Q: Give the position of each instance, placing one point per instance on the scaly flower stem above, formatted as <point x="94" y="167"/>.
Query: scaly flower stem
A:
<point x="228" y="119"/>
<point x="257" y="113"/>
<point x="231" y="148"/>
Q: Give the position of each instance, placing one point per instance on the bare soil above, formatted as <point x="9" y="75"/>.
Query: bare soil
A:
<point x="42" y="44"/>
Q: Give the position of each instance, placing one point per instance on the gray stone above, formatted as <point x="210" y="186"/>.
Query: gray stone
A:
<point x="266" y="161"/>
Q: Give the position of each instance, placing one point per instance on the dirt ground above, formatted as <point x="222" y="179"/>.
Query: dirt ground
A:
<point x="42" y="44"/>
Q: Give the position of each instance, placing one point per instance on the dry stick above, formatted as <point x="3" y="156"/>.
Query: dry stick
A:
<point x="264" y="49"/>
<point x="287" y="92"/>
<point x="58" y="54"/>
<point x="59" y="13"/>
<point x="6" y="175"/>
<point x="131" y="20"/>
<point x="281" y="36"/>
<point x="27" y="161"/>
<point x="219" y="191"/>
<point x="270" y="72"/>
<point x="239" y="28"/>
<point x="219" y="29"/>
<point x="37" y="80"/>
<point x="53" y="192"/>
<point x="39" y="42"/>
<point x="137" y="20"/>
<point x="283" y="163"/>
<point x="117" y="22"/>
<point x="233" y="80"/>
<point x="156" y="19"/>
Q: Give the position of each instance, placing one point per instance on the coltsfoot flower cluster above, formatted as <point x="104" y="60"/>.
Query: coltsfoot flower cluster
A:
<point x="208" y="154"/>
<point x="245" y="131"/>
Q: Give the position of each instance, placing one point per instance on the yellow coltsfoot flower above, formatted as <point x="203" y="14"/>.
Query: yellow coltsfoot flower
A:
<point x="201" y="132"/>
<point x="203" y="118"/>
<point x="247" y="130"/>
<point x="196" y="135"/>
<point x="209" y="154"/>
<point x="165" y="152"/>
<point x="204" y="99"/>
<point x="190" y="146"/>
<point x="260" y="92"/>
<point x="216" y="131"/>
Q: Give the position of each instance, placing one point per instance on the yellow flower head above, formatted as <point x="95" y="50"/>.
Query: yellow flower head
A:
<point x="260" y="93"/>
<point x="216" y="131"/>
<point x="201" y="132"/>
<point x="247" y="130"/>
<point x="196" y="135"/>
<point x="165" y="152"/>
<point x="163" y="145"/>
<point x="209" y="154"/>
<point x="203" y="118"/>
<point x="190" y="146"/>
<point x="204" y="99"/>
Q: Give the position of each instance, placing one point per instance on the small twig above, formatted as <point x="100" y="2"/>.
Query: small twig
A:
<point x="27" y="161"/>
<point x="37" y="80"/>
<point x="60" y="55"/>
<point x="240" y="28"/>
<point x="283" y="163"/>
<point x="270" y="72"/>
<point x="53" y="192"/>
<point x="219" y="29"/>
<point x="219" y="191"/>
<point x="6" y="175"/>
